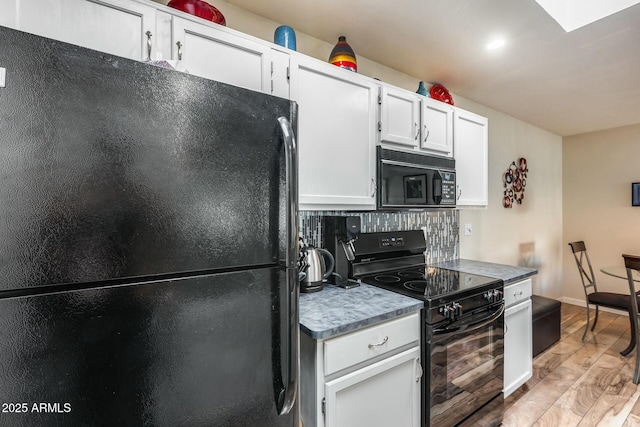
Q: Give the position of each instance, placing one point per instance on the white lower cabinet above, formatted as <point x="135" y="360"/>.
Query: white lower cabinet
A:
<point x="518" y="337"/>
<point x="370" y="377"/>
<point x="383" y="394"/>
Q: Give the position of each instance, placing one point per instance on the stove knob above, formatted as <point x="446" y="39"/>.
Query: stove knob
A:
<point x="457" y="309"/>
<point x="448" y="311"/>
<point x="497" y="295"/>
<point x="489" y="296"/>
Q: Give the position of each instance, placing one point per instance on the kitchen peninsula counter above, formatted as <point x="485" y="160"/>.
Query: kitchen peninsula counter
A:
<point x="335" y="310"/>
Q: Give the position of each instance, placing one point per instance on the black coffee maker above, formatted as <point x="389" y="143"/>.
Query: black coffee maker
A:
<point x="338" y="235"/>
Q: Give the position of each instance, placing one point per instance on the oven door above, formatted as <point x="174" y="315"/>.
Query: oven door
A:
<point x="466" y="360"/>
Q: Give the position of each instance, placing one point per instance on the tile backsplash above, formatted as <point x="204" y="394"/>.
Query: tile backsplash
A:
<point x="440" y="227"/>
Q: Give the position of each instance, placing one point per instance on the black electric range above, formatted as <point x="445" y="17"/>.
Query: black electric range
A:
<point x="463" y="316"/>
<point x="395" y="261"/>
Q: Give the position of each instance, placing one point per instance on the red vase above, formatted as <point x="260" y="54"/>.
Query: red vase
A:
<point x="343" y="56"/>
<point x="199" y="8"/>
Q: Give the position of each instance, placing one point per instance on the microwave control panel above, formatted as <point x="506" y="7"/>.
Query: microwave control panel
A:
<point x="448" y="188"/>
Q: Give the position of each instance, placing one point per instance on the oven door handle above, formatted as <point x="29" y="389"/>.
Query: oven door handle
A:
<point x="468" y="327"/>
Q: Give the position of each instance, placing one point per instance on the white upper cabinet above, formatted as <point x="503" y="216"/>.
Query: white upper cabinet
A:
<point x="415" y="122"/>
<point x="399" y="117"/>
<point x="336" y="136"/>
<point x="145" y="30"/>
<point x="471" y="135"/>
<point x="437" y="128"/>
<point x="214" y="53"/>
<point x="118" y="27"/>
<point x="8" y="15"/>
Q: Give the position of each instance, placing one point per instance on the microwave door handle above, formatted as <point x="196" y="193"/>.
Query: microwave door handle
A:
<point x="437" y="188"/>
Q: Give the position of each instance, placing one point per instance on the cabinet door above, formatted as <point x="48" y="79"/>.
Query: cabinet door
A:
<point x="8" y="15"/>
<point x="218" y="54"/>
<point x="384" y="394"/>
<point x="471" y="136"/>
<point x="279" y="73"/>
<point x="117" y="27"/>
<point x="336" y="136"/>
<point x="399" y="117"/>
<point x="437" y="129"/>
<point x="518" y="346"/>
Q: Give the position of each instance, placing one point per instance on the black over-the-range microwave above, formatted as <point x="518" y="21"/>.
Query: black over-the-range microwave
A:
<point x="412" y="180"/>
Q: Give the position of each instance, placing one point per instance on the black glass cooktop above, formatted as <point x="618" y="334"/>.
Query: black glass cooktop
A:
<point x="431" y="283"/>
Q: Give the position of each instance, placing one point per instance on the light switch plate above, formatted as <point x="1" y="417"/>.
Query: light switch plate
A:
<point x="467" y="229"/>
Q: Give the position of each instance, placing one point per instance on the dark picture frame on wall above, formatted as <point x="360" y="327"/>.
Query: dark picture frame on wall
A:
<point x="635" y="194"/>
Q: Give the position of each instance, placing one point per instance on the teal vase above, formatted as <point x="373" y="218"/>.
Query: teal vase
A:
<point x="422" y="90"/>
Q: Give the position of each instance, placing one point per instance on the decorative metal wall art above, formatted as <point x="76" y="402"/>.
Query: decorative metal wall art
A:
<point x="514" y="181"/>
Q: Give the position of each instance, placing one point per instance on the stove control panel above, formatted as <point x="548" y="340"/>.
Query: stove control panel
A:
<point x="391" y="241"/>
<point x="451" y="311"/>
<point x="494" y="295"/>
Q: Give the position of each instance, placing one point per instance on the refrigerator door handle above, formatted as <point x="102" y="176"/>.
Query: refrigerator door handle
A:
<point x="288" y="396"/>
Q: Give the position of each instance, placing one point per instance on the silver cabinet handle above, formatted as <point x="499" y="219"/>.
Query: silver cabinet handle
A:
<point x="515" y="294"/>
<point x="419" y="366"/>
<point x="291" y="342"/>
<point x="417" y="131"/>
<point x="148" y="33"/>
<point x="426" y="132"/>
<point x="179" y="44"/>
<point x="383" y="342"/>
<point x="459" y="192"/>
<point x="374" y="187"/>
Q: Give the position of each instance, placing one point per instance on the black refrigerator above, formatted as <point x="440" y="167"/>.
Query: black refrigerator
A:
<point x="148" y="244"/>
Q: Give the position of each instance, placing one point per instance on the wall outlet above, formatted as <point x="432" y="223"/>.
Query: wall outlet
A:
<point x="467" y="229"/>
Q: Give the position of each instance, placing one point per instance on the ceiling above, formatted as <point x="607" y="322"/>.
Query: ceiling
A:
<point x="568" y="83"/>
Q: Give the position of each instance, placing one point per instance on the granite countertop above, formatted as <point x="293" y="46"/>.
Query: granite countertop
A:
<point x="336" y="310"/>
<point x="508" y="273"/>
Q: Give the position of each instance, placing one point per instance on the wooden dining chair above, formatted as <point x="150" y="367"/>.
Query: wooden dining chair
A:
<point x="632" y="262"/>
<point x="597" y="298"/>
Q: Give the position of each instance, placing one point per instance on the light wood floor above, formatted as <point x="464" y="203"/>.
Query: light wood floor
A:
<point x="579" y="383"/>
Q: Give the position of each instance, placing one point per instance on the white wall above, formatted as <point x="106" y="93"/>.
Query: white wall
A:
<point x="498" y="233"/>
<point x="599" y="168"/>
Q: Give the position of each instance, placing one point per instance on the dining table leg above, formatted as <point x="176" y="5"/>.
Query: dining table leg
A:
<point x="632" y="344"/>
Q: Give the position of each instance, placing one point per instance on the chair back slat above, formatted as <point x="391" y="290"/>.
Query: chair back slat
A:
<point x="632" y="261"/>
<point x="585" y="269"/>
<point x="578" y="246"/>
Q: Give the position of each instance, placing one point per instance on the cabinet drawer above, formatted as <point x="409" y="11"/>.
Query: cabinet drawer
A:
<point x="517" y="292"/>
<point x="356" y="347"/>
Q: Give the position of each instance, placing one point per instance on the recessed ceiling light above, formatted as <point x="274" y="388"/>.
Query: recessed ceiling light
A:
<point x="496" y="44"/>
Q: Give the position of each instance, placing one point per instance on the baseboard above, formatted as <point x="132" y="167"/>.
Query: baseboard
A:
<point x="582" y="303"/>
